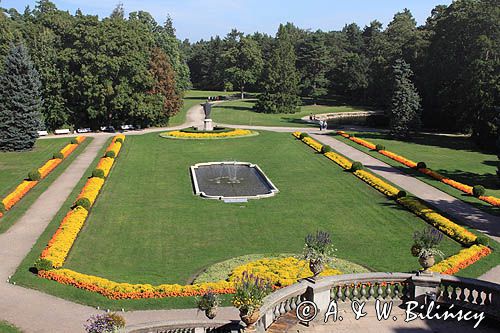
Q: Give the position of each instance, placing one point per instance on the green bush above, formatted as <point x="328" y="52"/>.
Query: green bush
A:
<point x="110" y="153"/>
<point x="303" y="135"/>
<point x="2" y="207"/>
<point x="356" y="166"/>
<point x="326" y="149"/>
<point x="74" y="141"/>
<point x="483" y="240"/>
<point x="43" y="264"/>
<point x="120" y="140"/>
<point x="58" y="155"/>
<point x="83" y="202"/>
<point x="478" y="191"/>
<point x="34" y="175"/>
<point x="379" y="147"/>
<point x="421" y="165"/>
<point x="98" y="173"/>
<point x="401" y="194"/>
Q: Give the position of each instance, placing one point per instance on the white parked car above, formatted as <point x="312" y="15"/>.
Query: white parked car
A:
<point x="127" y="127"/>
<point x="42" y="133"/>
<point x="84" y="130"/>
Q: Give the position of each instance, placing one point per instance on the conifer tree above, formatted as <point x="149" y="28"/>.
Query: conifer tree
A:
<point x="405" y="103"/>
<point x="20" y="101"/>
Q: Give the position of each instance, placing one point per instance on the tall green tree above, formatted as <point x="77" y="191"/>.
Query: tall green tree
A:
<point x="405" y="104"/>
<point x="243" y="63"/>
<point x="281" y="79"/>
<point x="20" y="101"/>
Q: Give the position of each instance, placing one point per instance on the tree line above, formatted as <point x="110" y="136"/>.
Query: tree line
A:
<point x="449" y="67"/>
<point x="95" y="72"/>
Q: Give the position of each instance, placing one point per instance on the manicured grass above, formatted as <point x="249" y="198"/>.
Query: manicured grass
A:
<point x="455" y="157"/>
<point x="191" y="98"/>
<point x="51" y="146"/>
<point x="241" y="113"/>
<point x="8" y="328"/>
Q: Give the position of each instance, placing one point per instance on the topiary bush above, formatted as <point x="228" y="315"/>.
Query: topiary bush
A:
<point x="74" y="141"/>
<point x="303" y="135"/>
<point x="110" y="153"/>
<point x="379" y="147"/>
<point x="98" y="173"/>
<point x="356" y="166"/>
<point x="34" y="175"/>
<point x="478" y="191"/>
<point x="120" y="140"/>
<point x="483" y="240"/>
<point x="43" y="264"/>
<point x="401" y="194"/>
<point x="421" y="165"/>
<point x="326" y="149"/>
<point x="2" y="207"/>
<point x="83" y="202"/>
<point x="58" y="155"/>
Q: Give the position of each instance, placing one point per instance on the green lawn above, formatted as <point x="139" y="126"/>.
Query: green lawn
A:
<point x="455" y="157"/>
<point x="147" y="226"/>
<point x="8" y="328"/>
<point x="191" y="98"/>
<point x="14" y="167"/>
<point x="241" y="113"/>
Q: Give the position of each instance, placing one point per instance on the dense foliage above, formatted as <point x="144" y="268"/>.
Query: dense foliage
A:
<point x="454" y="57"/>
<point x="98" y="72"/>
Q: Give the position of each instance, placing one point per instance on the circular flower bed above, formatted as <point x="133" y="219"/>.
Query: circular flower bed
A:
<point x="217" y="134"/>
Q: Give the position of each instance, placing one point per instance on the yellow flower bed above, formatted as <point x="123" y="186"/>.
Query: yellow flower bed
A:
<point x="68" y="149"/>
<point x="63" y="239"/>
<point x="114" y="146"/>
<point x="340" y="160"/>
<point x="462" y="259"/>
<point x="49" y="166"/>
<point x="119" y="136"/>
<point x="312" y="143"/>
<point x="453" y="230"/>
<point x="377" y="183"/>
<point x="280" y="272"/>
<point x="105" y="165"/>
<point x="13" y="197"/>
<point x="91" y="189"/>
<point x="186" y="135"/>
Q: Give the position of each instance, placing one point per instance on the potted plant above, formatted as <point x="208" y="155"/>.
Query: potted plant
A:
<point x="209" y="303"/>
<point x="250" y="292"/>
<point x="425" y="246"/>
<point x="318" y="250"/>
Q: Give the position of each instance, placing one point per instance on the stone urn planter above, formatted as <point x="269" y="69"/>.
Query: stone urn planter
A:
<point x="249" y="319"/>
<point x="316" y="267"/>
<point x="211" y="313"/>
<point x="426" y="262"/>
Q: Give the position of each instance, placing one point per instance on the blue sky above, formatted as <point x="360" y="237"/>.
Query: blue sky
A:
<point x="197" y="19"/>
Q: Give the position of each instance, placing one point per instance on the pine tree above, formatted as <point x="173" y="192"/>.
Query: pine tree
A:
<point x="20" y="101"/>
<point x="164" y="85"/>
<point x="281" y="79"/>
<point x="405" y="103"/>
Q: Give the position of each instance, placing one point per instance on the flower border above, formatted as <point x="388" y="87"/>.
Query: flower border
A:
<point x="235" y="133"/>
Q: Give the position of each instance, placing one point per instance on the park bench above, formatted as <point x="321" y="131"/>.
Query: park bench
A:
<point x="62" y="131"/>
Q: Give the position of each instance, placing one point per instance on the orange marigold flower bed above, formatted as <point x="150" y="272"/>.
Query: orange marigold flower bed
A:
<point x="105" y="165"/>
<point x="461" y="260"/>
<point x="13" y="197"/>
<point x="91" y="189"/>
<point x="49" y="166"/>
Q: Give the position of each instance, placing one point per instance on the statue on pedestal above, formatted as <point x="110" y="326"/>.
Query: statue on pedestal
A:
<point x="207" y="123"/>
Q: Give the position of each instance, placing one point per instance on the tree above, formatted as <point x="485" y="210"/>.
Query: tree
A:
<point x="243" y="63"/>
<point x="164" y="77"/>
<point x="405" y="103"/>
<point x="20" y="101"/>
<point x="313" y="64"/>
<point x="281" y="79"/>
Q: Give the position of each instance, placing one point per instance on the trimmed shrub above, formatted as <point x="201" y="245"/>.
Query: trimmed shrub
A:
<point x="303" y="135"/>
<point x="98" y="173"/>
<point x="379" y="147"/>
<point x="43" y="264"/>
<point x="401" y="194"/>
<point x="120" y="140"/>
<point x="83" y="202"/>
<point x="356" y="166"/>
<point x="2" y="207"/>
<point x="58" y="155"/>
<point x="483" y="240"/>
<point x="34" y="175"/>
<point x="421" y="165"/>
<point x="74" y="141"/>
<point x="110" y="153"/>
<point x="478" y="191"/>
<point x="326" y="149"/>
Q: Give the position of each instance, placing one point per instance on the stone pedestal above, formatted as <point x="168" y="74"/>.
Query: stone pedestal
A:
<point x="424" y="286"/>
<point x="208" y="125"/>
